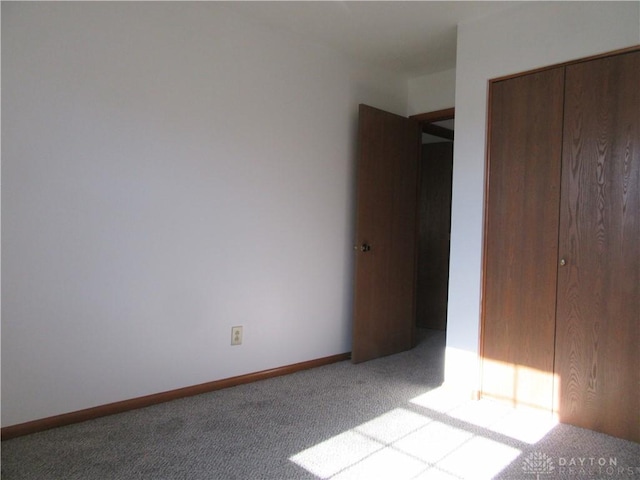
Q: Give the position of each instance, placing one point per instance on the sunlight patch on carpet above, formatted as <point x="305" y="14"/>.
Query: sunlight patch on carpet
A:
<point x="522" y="424"/>
<point x="336" y="454"/>
<point x="402" y="444"/>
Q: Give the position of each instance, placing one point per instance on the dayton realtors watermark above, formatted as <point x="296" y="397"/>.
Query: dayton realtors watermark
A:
<point x="542" y="465"/>
<point x="595" y="467"/>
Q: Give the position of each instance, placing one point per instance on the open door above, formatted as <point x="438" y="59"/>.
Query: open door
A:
<point x="386" y="234"/>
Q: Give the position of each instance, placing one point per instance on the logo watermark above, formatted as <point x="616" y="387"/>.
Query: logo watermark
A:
<point x="540" y="464"/>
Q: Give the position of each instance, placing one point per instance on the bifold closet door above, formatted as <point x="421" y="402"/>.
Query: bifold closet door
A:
<point x="598" y="314"/>
<point x="521" y="239"/>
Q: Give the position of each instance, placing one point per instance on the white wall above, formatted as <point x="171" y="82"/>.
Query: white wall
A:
<point x="519" y="39"/>
<point x="170" y="170"/>
<point x="432" y="92"/>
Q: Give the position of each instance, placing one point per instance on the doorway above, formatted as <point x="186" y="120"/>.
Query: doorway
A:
<point x="434" y="219"/>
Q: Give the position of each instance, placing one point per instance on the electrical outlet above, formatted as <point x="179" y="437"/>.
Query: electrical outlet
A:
<point x="236" y="335"/>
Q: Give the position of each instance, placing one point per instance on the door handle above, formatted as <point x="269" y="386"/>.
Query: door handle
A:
<point x="563" y="262"/>
<point x="365" y="247"/>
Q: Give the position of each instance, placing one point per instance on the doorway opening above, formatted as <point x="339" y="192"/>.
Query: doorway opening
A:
<point x="434" y="220"/>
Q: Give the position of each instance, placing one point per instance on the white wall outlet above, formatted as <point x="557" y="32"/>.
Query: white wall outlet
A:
<point x="236" y="335"/>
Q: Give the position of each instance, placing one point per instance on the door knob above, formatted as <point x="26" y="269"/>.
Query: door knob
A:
<point x="365" y="247"/>
<point x="563" y="262"/>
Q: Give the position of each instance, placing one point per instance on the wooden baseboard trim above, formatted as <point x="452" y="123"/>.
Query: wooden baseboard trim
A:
<point x="40" y="425"/>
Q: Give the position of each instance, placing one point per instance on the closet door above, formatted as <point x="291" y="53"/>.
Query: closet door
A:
<point x="521" y="239"/>
<point x="598" y="314"/>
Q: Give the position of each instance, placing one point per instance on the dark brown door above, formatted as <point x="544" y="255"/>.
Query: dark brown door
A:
<point x="387" y="177"/>
<point x="598" y="317"/>
<point x="521" y="239"/>
<point x="434" y="222"/>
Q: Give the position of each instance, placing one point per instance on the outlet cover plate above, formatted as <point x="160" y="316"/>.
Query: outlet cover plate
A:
<point x="236" y="335"/>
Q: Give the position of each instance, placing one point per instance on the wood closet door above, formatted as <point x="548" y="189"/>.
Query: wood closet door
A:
<point x="521" y="239"/>
<point x="598" y="316"/>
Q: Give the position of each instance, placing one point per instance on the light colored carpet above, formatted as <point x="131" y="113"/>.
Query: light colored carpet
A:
<point x="384" y="419"/>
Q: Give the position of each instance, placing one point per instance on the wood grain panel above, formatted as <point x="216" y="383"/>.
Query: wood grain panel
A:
<point x="434" y="225"/>
<point x="521" y="238"/>
<point x="387" y="176"/>
<point x="598" y="316"/>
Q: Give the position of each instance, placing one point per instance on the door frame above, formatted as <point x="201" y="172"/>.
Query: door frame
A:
<point x="428" y="119"/>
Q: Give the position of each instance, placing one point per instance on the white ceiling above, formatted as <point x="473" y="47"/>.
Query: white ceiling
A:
<point x="413" y="37"/>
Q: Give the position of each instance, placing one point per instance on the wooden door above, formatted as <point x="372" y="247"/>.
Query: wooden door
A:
<point x="387" y="177"/>
<point x="521" y="239"/>
<point x="598" y="316"/>
<point x="434" y="226"/>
